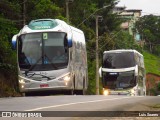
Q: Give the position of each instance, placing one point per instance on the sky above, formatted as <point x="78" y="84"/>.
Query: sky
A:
<point x="147" y="6"/>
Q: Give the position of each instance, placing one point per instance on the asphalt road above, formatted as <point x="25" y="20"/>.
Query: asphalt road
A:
<point x="64" y="107"/>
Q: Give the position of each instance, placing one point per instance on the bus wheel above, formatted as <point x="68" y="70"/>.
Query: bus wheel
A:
<point x="139" y="93"/>
<point x="73" y="87"/>
<point x="69" y="92"/>
<point x="23" y="94"/>
<point x="83" y="90"/>
<point x="72" y="91"/>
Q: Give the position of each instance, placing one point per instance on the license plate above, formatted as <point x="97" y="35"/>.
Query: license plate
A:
<point x="44" y="85"/>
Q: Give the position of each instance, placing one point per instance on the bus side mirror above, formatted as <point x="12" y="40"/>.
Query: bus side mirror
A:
<point x="100" y="72"/>
<point x="14" y="42"/>
<point x="69" y="40"/>
<point x="69" y="43"/>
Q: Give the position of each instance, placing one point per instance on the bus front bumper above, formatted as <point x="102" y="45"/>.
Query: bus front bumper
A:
<point x="118" y="92"/>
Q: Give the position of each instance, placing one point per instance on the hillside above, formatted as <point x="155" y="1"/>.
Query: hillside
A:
<point x="152" y="63"/>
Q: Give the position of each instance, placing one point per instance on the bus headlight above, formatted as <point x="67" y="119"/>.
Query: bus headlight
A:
<point x="132" y="91"/>
<point x="21" y="81"/>
<point x="65" y="78"/>
<point x="22" y="86"/>
<point x="105" y="92"/>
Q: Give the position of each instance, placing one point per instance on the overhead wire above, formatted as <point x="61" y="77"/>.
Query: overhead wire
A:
<point x="149" y="13"/>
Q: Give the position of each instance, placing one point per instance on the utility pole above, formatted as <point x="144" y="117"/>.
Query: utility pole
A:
<point x="67" y="11"/>
<point x="97" y="58"/>
<point x="24" y="12"/>
<point x="98" y="18"/>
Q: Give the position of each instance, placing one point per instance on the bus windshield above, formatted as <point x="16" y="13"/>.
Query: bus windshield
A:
<point x="119" y="80"/>
<point x="118" y="60"/>
<point x="42" y="51"/>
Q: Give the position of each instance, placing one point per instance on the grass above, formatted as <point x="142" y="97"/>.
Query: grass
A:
<point x="152" y="63"/>
<point x="156" y="106"/>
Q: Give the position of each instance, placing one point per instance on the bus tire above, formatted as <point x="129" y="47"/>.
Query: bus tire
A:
<point x="23" y="94"/>
<point x="139" y="93"/>
<point x="144" y="93"/>
<point x="83" y="90"/>
<point x="73" y="87"/>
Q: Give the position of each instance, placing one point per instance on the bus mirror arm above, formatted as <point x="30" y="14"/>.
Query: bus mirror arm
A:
<point x="14" y="42"/>
<point x="100" y="72"/>
<point x="136" y="70"/>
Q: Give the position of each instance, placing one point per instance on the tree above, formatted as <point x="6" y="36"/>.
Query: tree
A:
<point x="9" y="21"/>
<point x="7" y="58"/>
<point x="42" y="9"/>
<point x="149" y="28"/>
<point x="124" y="40"/>
<point x="158" y="86"/>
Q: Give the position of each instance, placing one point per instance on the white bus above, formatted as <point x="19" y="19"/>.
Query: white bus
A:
<point x="123" y="72"/>
<point x="51" y="56"/>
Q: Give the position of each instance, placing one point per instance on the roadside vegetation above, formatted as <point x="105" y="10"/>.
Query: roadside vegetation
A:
<point x="152" y="63"/>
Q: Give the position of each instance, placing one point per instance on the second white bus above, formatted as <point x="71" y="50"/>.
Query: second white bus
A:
<point x="123" y="72"/>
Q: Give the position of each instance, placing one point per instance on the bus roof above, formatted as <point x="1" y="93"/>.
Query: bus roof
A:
<point x="123" y="50"/>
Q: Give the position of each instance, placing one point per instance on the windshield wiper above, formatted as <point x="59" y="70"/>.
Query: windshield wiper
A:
<point x="32" y="67"/>
<point x="43" y="76"/>
<point x="26" y="72"/>
<point x="53" y="65"/>
<point x="48" y="77"/>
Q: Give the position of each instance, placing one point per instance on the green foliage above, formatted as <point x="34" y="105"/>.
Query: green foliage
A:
<point x="9" y="9"/>
<point x="151" y="63"/>
<point x="149" y="27"/>
<point x="156" y="49"/>
<point x="81" y="9"/>
<point x="42" y="9"/>
<point x="125" y="41"/>
<point x="8" y="67"/>
<point x="158" y="86"/>
<point x="106" y="42"/>
<point x="155" y="90"/>
<point x="89" y="33"/>
<point x="118" y="40"/>
<point x="7" y="29"/>
<point x="91" y="77"/>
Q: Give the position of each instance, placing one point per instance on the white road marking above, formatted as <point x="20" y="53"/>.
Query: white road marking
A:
<point x="54" y="106"/>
